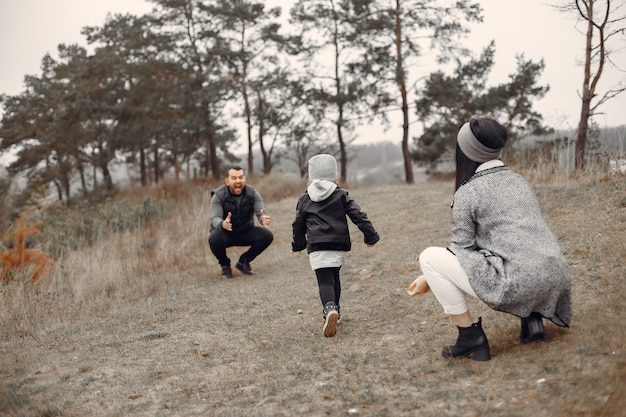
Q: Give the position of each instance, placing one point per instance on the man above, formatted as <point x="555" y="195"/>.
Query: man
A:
<point x="233" y="207"/>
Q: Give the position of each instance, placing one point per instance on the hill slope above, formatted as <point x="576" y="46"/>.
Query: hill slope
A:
<point x="143" y="325"/>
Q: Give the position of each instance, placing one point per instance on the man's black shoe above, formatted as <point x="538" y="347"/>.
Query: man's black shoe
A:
<point x="244" y="267"/>
<point x="226" y="271"/>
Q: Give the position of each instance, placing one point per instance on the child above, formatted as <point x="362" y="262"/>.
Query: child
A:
<point x="321" y="228"/>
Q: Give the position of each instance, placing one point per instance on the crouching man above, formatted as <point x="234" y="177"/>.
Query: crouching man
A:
<point x="233" y="208"/>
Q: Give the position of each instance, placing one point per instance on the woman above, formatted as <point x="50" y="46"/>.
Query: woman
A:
<point x="502" y="251"/>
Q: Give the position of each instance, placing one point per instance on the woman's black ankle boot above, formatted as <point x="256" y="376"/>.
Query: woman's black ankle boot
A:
<point x="532" y="328"/>
<point x="471" y="343"/>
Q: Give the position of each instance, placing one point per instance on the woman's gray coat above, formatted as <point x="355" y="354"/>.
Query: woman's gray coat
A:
<point x="513" y="261"/>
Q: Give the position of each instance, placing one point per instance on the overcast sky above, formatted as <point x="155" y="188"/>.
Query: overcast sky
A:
<point x="31" y="28"/>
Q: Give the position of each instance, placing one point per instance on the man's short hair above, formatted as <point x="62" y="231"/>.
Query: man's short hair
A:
<point x="236" y="168"/>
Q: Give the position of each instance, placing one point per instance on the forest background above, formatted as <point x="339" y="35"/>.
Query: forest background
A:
<point x="162" y="94"/>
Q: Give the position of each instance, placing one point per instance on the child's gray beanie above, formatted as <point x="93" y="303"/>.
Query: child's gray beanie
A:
<point x="323" y="167"/>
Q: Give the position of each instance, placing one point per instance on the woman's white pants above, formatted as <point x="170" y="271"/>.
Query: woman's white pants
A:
<point x="446" y="279"/>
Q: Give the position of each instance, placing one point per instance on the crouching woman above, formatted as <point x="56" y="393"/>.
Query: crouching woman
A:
<point x="502" y="251"/>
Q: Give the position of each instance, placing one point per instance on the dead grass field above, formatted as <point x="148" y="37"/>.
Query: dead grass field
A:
<point x="143" y="325"/>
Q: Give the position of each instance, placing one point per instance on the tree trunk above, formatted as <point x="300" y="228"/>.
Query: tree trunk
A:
<point x="142" y="167"/>
<point x="176" y="168"/>
<point x="249" y="130"/>
<point x="95" y="176"/>
<point x="59" y="190"/>
<point x="581" y="136"/>
<point x="585" y="112"/>
<point x="83" y="181"/>
<point x="267" y="156"/>
<point x="156" y="164"/>
<point x="343" y="156"/>
<point x="215" y="165"/>
<point x="401" y="79"/>
<point x="66" y="188"/>
<point x="106" y="176"/>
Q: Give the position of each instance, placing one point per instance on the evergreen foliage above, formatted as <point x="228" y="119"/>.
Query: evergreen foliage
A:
<point x="447" y="101"/>
<point x="166" y="92"/>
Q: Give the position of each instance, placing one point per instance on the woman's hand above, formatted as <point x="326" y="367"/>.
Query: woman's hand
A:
<point x="419" y="286"/>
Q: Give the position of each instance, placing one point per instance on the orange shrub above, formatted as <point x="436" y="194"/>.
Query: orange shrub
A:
<point x="19" y="257"/>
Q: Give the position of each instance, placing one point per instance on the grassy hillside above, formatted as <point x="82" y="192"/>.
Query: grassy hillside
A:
<point x="142" y="324"/>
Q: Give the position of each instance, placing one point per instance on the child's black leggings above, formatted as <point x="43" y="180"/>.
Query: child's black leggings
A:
<point x="330" y="286"/>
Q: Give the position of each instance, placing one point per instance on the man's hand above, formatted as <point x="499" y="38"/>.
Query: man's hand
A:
<point x="226" y="224"/>
<point x="265" y="219"/>
<point x="419" y="286"/>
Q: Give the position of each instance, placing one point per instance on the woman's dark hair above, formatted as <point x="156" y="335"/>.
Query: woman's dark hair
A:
<point x="465" y="167"/>
<point x="488" y="132"/>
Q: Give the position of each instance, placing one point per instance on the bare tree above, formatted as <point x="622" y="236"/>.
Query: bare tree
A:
<point x="604" y="21"/>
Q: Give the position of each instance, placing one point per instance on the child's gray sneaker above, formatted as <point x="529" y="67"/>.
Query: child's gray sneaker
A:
<point x="331" y="315"/>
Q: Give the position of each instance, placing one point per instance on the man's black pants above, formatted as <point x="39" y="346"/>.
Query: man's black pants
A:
<point x="258" y="238"/>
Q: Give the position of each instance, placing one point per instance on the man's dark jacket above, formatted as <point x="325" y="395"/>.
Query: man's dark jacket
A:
<point x="241" y="207"/>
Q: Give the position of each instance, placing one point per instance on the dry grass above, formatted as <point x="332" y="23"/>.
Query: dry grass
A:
<point x="143" y="325"/>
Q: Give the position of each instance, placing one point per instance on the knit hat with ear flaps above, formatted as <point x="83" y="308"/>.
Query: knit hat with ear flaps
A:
<point x="323" y="167"/>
